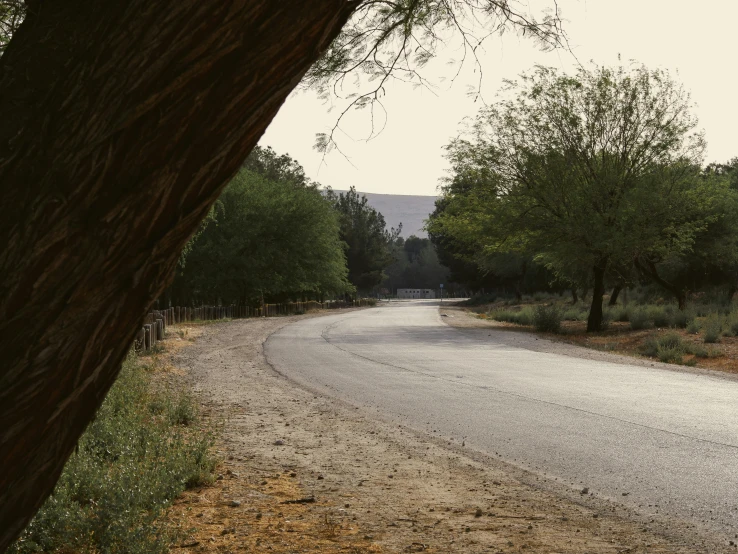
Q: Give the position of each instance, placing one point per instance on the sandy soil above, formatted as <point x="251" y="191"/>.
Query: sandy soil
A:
<point x="305" y="473"/>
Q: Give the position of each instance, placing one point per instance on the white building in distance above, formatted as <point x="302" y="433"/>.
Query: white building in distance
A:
<point x="416" y="293"/>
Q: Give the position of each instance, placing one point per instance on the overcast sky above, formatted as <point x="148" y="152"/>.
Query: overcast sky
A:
<point x="695" y="41"/>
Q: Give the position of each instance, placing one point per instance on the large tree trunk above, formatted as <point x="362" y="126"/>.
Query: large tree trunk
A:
<point x="120" y="123"/>
<point x="594" y="321"/>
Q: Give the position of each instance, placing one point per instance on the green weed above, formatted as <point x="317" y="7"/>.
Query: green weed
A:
<point x="712" y="328"/>
<point x="639" y="319"/>
<point x="547" y="319"/>
<point x="131" y="462"/>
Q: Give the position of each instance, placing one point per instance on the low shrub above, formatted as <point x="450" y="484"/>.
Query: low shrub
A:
<point x="639" y="319"/>
<point x="732" y="325"/>
<point x="520" y="317"/>
<point x="660" y="316"/>
<point x="547" y="318"/>
<point x="131" y="462"/>
<point x="650" y="347"/>
<point x="668" y="348"/>
<point x="574" y="314"/>
<point x="671" y="340"/>
<point x="712" y="329"/>
<point x="681" y="318"/>
<point x="670" y="355"/>
<point x="700" y="351"/>
<point x="693" y="327"/>
<point x="623" y="314"/>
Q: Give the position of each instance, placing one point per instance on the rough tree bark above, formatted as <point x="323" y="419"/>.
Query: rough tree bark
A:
<point x="594" y="321"/>
<point x="120" y="123"/>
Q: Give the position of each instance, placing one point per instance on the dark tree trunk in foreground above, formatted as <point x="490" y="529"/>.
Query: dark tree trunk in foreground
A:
<point x="120" y="123"/>
<point x="594" y="321"/>
<point x="614" y="296"/>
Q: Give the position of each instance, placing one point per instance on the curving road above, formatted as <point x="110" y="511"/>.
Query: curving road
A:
<point x="646" y="437"/>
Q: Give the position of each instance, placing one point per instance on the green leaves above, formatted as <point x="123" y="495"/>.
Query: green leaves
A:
<point x="274" y="236"/>
<point x="599" y="168"/>
<point x="368" y="242"/>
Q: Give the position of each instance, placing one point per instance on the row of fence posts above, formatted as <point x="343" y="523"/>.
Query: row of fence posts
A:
<point x="156" y="322"/>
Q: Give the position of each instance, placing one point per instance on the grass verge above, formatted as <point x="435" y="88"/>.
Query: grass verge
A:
<point x="146" y="445"/>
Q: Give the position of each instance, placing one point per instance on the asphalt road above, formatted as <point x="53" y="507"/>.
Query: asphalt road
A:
<point x="652" y="439"/>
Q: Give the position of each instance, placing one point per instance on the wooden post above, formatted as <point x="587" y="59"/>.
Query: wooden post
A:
<point x="147" y="336"/>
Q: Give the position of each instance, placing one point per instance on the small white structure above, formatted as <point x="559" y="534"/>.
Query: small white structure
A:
<point x="416" y="293"/>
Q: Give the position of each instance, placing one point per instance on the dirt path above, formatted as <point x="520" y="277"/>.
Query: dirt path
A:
<point x="305" y="473"/>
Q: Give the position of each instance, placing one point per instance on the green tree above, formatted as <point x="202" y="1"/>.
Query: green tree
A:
<point x="368" y="242"/>
<point x="586" y="171"/>
<point x="121" y="123"/>
<point x="416" y="265"/>
<point x="271" y="238"/>
<point x="713" y="259"/>
<point x="275" y="167"/>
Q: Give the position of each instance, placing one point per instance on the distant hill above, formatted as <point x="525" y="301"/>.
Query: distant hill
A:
<point x="410" y="210"/>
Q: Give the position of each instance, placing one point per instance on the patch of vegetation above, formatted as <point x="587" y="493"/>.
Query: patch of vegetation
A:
<point x="713" y="327"/>
<point x="524" y="316"/>
<point x="669" y="348"/>
<point x="693" y="327"/>
<point x="547" y="319"/>
<point x="660" y="316"/>
<point x="574" y="314"/>
<point x="681" y="318"/>
<point x="639" y="319"/>
<point x="140" y="452"/>
<point x="622" y="314"/>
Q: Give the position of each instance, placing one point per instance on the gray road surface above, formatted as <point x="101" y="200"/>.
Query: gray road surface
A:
<point x="667" y="439"/>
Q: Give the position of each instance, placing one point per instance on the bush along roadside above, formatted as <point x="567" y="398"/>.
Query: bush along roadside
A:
<point x="146" y="445"/>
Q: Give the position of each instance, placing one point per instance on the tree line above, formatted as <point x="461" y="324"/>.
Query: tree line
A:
<point x="591" y="181"/>
<point x="274" y="235"/>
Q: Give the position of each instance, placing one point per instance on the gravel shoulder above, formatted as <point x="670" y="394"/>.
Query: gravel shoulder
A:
<point x="302" y="472"/>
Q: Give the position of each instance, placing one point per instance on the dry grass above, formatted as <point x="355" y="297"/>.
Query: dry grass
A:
<point x="244" y="512"/>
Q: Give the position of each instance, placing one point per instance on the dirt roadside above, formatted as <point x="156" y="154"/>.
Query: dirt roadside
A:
<point x="305" y="473"/>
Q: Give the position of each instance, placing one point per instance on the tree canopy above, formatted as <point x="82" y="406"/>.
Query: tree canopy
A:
<point x="270" y="238"/>
<point x="583" y="172"/>
<point x="368" y="241"/>
<point x="416" y="265"/>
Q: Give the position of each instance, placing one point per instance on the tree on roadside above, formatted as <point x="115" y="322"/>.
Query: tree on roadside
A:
<point x="120" y="124"/>
<point x="586" y="171"/>
<point x="416" y="265"/>
<point x="271" y="238"/>
<point x="368" y="241"/>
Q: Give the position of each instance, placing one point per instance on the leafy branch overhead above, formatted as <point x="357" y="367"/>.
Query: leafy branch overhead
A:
<point x="392" y="41"/>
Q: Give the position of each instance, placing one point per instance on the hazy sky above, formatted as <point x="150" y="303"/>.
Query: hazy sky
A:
<point x="695" y="41"/>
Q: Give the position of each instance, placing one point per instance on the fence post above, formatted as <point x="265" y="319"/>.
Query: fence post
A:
<point x="147" y="336"/>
